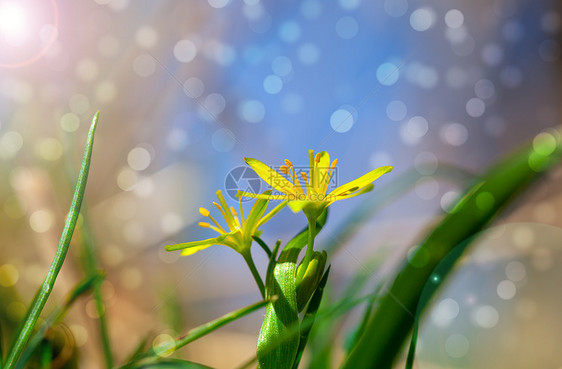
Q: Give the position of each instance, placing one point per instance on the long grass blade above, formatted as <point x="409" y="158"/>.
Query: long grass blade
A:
<point x="57" y="315"/>
<point x="171" y="364"/>
<point x="393" y="319"/>
<point x="196" y="333"/>
<point x="22" y="337"/>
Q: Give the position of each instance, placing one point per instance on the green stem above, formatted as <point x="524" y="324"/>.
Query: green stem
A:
<point x="248" y="257"/>
<point x="47" y="287"/>
<point x="196" y="333"/>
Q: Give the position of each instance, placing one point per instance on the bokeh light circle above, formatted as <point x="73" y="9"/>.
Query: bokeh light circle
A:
<point x="47" y="35"/>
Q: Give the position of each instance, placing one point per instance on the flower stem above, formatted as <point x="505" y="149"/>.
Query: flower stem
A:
<point x="248" y="257"/>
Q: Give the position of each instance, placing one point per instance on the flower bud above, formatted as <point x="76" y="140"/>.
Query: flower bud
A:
<point x="309" y="282"/>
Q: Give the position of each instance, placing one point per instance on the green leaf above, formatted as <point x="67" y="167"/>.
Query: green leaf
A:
<point x="310" y="315"/>
<point x="46" y="288"/>
<point x="282" y="314"/>
<point x="84" y="286"/>
<point x="393" y="319"/>
<point x="171" y="364"/>
<point x="197" y="333"/>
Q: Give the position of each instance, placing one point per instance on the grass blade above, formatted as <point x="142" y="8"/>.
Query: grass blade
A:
<point x="393" y="319"/>
<point x="171" y="364"/>
<point x="57" y="315"/>
<point x="196" y="333"/>
<point x="46" y="288"/>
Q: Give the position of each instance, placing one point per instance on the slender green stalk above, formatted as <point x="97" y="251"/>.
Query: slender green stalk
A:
<point x="45" y="290"/>
<point x="91" y="265"/>
<point x="248" y="257"/>
<point x="57" y="315"/>
<point x="198" y="332"/>
<point x="310" y="246"/>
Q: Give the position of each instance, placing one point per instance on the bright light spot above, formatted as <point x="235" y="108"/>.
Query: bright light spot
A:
<point x="413" y="130"/>
<point x="139" y="158"/>
<point x="447" y="310"/>
<point x="13" y="21"/>
<point x="41" y="220"/>
<point x="252" y="111"/>
<point x="272" y="84"/>
<point x="486" y="316"/>
<point x="387" y="74"/>
<point x="422" y="19"/>
<point x="506" y="290"/>
<point x="342" y="120"/>
<point x="396" y="110"/>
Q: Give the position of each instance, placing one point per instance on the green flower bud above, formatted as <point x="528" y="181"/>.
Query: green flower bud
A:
<point x="309" y="282"/>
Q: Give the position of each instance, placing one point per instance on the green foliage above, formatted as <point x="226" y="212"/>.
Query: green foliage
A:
<point x="46" y="288"/>
<point x="394" y="318"/>
<point x="276" y="348"/>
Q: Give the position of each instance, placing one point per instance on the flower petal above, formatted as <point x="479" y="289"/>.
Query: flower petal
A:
<point x="361" y="182"/>
<point x="256" y="213"/>
<point x="365" y="189"/>
<point x="260" y="196"/>
<point x="271" y="177"/>
<point x="208" y="242"/>
<point x="193" y="250"/>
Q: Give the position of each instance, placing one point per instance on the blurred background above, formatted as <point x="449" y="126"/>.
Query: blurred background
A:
<point x="187" y="89"/>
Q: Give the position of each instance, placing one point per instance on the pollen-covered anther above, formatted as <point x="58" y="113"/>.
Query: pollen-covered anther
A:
<point x="304" y="176"/>
<point x="317" y="158"/>
<point x="284" y="169"/>
<point x="217" y="206"/>
<point x="204" y="224"/>
<point x="233" y="211"/>
<point x="334" y="163"/>
<point x="288" y="163"/>
<point x="204" y="212"/>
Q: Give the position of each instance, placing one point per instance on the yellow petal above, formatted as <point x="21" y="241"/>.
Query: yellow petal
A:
<point x="271" y="177"/>
<point x="361" y="182"/>
<point x="363" y="190"/>
<point x="193" y="250"/>
<point x="260" y="196"/>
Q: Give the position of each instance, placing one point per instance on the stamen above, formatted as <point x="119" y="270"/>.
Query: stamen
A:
<point x="311" y="164"/>
<point x="226" y="211"/>
<point x="329" y="176"/>
<point x="305" y="178"/>
<point x="204" y="212"/>
<point x="242" y="218"/>
<point x="219" y="228"/>
<point x="288" y="163"/>
<point x="235" y="216"/>
<point x="297" y="181"/>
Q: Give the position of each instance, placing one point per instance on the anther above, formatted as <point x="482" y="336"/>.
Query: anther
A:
<point x="204" y="212"/>
<point x="204" y="224"/>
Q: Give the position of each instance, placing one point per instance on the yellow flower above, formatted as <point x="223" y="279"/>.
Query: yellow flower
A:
<point x="238" y="231"/>
<point x="309" y="193"/>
